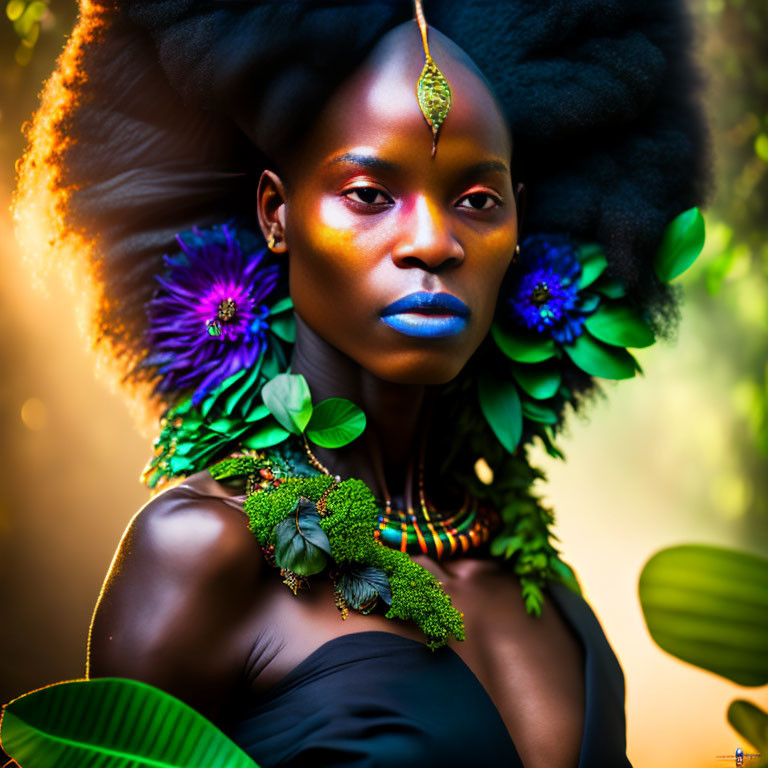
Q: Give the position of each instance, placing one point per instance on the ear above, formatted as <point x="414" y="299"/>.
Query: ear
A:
<point x="270" y="201"/>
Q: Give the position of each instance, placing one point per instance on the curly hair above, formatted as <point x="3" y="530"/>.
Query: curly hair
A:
<point x="156" y="120"/>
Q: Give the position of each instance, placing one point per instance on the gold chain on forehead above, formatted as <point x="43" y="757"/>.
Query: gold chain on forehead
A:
<point x="432" y="89"/>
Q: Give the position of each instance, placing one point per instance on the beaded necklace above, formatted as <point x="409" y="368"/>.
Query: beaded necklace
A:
<point x="430" y="532"/>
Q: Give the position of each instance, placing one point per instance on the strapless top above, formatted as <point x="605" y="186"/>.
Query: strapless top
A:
<point x="378" y="700"/>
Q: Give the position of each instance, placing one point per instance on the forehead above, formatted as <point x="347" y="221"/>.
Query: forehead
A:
<point x="377" y="108"/>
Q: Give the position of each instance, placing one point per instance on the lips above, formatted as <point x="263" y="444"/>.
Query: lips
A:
<point x="428" y="304"/>
<point x="427" y="315"/>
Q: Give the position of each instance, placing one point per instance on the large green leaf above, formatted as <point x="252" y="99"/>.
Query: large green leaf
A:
<point x="598" y="359"/>
<point x="620" y="325"/>
<point x="265" y="436"/>
<point x="593" y="263"/>
<point x="113" y="723"/>
<point x="287" y="397"/>
<point x="335" y="422"/>
<point x="301" y="545"/>
<point x="752" y="723"/>
<point x="709" y="606"/>
<point x="680" y="246"/>
<point x="540" y="381"/>
<point x="500" y="404"/>
<point x="523" y="346"/>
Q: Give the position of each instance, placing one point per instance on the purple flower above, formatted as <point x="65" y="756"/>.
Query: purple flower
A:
<point x="208" y="321"/>
<point x="544" y="293"/>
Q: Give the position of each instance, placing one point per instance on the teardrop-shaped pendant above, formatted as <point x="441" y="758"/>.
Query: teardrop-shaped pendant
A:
<point x="434" y="95"/>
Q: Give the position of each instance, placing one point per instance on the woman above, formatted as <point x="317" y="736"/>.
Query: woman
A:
<point x="393" y="194"/>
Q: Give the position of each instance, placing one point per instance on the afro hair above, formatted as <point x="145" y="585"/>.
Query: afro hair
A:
<point x="159" y="117"/>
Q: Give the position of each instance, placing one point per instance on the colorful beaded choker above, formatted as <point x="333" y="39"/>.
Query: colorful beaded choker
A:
<point x="428" y="532"/>
<point x="431" y="534"/>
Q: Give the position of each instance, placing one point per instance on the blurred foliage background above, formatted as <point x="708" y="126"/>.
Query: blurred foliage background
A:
<point x="681" y="456"/>
<point x="736" y="60"/>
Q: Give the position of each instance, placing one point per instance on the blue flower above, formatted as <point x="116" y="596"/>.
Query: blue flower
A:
<point x="544" y="291"/>
<point x="208" y="320"/>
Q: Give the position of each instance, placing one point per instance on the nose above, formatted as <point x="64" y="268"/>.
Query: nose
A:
<point x="425" y="239"/>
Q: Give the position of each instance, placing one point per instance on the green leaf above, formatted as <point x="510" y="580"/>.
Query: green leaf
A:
<point x="113" y="723"/>
<point x="335" y="422"/>
<point x="532" y="596"/>
<point x="362" y="585"/>
<point x="182" y="449"/>
<point x="266" y="436"/>
<point x="593" y="263"/>
<point x="281" y="306"/>
<point x="567" y="575"/>
<point x="598" y="359"/>
<point x="212" y="399"/>
<point x="751" y="722"/>
<point x="500" y="404"/>
<point x="620" y="325"/>
<point x="539" y="381"/>
<point x="257" y="414"/>
<point x="523" y="346"/>
<point x="537" y="412"/>
<point x="549" y="444"/>
<point x="681" y="244"/>
<point x="301" y="545"/>
<point x="284" y="328"/>
<point x="179" y="464"/>
<point x="271" y="365"/>
<point x="709" y="606"/>
<point x="288" y="399"/>
<point x="223" y="426"/>
<point x="249" y="384"/>
<point x="610" y="287"/>
<point x="506" y="545"/>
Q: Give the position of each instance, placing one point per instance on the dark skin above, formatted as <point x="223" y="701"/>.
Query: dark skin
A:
<point x="189" y="604"/>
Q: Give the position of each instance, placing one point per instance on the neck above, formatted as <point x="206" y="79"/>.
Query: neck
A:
<point x="385" y="457"/>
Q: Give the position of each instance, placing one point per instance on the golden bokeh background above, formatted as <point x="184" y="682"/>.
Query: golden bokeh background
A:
<point x="679" y="455"/>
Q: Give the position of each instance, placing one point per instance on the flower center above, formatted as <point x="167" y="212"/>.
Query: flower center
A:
<point x="540" y="294"/>
<point x="226" y="310"/>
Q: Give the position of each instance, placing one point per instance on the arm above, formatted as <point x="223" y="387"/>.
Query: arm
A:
<point x="179" y="594"/>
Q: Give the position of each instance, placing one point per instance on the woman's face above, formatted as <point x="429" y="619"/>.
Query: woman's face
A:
<point x="396" y="256"/>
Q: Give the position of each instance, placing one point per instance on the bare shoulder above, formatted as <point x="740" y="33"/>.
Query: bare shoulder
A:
<point x="181" y="596"/>
<point x="195" y="527"/>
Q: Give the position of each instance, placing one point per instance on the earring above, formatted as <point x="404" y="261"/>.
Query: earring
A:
<point x="517" y="249"/>
<point x="271" y="241"/>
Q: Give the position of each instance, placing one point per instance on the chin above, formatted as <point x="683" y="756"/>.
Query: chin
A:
<point x="416" y="368"/>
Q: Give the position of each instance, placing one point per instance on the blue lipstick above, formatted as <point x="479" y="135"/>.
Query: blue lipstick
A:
<point x="427" y="315"/>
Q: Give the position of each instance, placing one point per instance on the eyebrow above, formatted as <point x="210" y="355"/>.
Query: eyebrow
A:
<point x="367" y="161"/>
<point x="486" y="167"/>
<point x="371" y="161"/>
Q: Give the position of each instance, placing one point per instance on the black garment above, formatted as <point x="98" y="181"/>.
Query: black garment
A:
<point x="378" y="700"/>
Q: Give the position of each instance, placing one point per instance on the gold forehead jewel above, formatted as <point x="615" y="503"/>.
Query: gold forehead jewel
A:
<point x="432" y="89"/>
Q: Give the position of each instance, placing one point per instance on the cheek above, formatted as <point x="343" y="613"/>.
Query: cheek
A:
<point x="493" y="259"/>
<point x="333" y="269"/>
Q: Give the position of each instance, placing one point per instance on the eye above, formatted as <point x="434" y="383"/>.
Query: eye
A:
<point x="479" y="201"/>
<point x="367" y="196"/>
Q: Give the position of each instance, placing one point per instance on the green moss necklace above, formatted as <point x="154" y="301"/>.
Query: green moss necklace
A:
<point x="427" y="531"/>
<point x="308" y="521"/>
